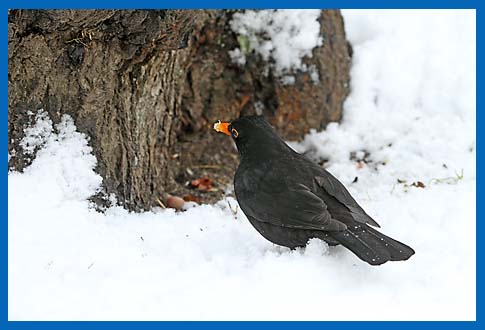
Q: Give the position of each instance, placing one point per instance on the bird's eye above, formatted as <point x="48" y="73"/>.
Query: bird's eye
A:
<point x="234" y="133"/>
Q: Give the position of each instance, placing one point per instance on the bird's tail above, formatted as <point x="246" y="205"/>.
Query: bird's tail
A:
<point x="371" y="246"/>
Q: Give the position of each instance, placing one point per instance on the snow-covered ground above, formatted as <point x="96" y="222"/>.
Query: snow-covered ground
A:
<point x="410" y="117"/>
<point x="282" y="38"/>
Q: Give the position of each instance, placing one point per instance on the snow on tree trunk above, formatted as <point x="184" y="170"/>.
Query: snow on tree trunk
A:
<point x="146" y="86"/>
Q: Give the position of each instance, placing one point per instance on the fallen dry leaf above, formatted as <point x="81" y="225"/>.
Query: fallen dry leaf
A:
<point x="192" y="198"/>
<point x="418" y="184"/>
<point x="204" y="184"/>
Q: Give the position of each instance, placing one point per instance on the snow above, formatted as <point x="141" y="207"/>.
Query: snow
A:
<point x="410" y="116"/>
<point x="36" y="135"/>
<point x="282" y="37"/>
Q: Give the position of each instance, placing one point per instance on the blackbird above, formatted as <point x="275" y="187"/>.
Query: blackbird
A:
<point x="289" y="199"/>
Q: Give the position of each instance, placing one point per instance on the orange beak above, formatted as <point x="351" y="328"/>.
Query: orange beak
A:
<point x="222" y="127"/>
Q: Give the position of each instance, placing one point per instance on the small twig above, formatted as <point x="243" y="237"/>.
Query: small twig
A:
<point x="207" y="166"/>
<point x="393" y="187"/>
<point x="160" y="203"/>
<point x="449" y="180"/>
<point x="233" y="211"/>
<point x="77" y="40"/>
<point x="85" y="35"/>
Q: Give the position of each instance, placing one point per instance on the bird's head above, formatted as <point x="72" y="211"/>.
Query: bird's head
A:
<point x="252" y="135"/>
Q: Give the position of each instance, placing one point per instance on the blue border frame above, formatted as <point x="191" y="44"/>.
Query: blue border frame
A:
<point x="233" y="325"/>
<point x="124" y="4"/>
<point x="141" y="4"/>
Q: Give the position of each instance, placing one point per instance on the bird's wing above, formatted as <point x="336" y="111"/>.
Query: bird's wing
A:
<point x="334" y="188"/>
<point x="269" y="197"/>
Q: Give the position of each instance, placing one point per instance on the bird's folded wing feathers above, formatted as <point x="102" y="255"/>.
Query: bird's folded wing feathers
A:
<point x="289" y="205"/>
<point x="334" y="188"/>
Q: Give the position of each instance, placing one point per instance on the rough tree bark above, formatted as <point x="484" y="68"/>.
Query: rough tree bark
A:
<point x="146" y="86"/>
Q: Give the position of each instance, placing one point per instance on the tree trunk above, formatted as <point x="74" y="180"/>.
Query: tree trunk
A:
<point x="147" y="85"/>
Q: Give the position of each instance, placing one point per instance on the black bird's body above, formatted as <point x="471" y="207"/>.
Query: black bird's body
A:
<point x="289" y="199"/>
